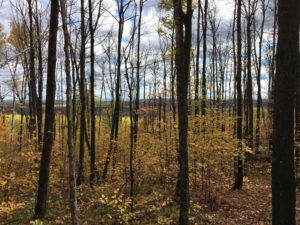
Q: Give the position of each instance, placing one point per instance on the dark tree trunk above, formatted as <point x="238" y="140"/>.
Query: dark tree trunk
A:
<point x="297" y="122"/>
<point x="80" y="176"/>
<point x="204" y="91"/>
<point x="249" y="111"/>
<point x="283" y="174"/>
<point x="40" y="207"/>
<point x="116" y="111"/>
<point x="159" y="116"/>
<point x="297" y="132"/>
<point x="197" y="62"/>
<point x="32" y="77"/>
<point x="39" y="103"/>
<point x="239" y="170"/>
<point x="183" y="26"/>
<point x="137" y="97"/>
<point x="164" y="94"/>
<point x="72" y="176"/>
<point x="258" y="79"/>
<point x="92" y="89"/>
<point x="272" y="77"/>
<point x="132" y="141"/>
<point x="173" y="77"/>
<point x="234" y="65"/>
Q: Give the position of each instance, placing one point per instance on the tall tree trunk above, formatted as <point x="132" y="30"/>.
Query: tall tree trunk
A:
<point x="80" y="176"/>
<point x="204" y="91"/>
<point x="234" y="105"/>
<point x="197" y="62"/>
<point x="183" y="26"/>
<point x="72" y="176"/>
<point x="137" y="97"/>
<point x="173" y="77"/>
<point x="297" y="130"/>
<point x="258" y="79"/>
<point x="239" y="170"/>
<point x="39" y="107"/>
<point x="32" y="77"/>
<point x="92" y="89"/>
<point x="249" y="131"/>
<point x="40" y="207"/>
<point x="283" y="174"/>
<point x="116" y="111"/>
<point x="39" y="100"/>
<point x="272" y="77"/>
<point x="132" y="144"/>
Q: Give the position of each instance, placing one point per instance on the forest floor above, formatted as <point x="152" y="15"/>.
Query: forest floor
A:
<point x="250" y="206"/>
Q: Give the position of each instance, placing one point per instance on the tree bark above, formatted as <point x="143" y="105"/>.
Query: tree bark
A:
<point x="239" y="170"/>
<point x="80" y="176"/>
<point x="116" y="111"/>
<point x="197" y="62"/>
<point x="92" y="89"/>
<point x="204" y="91"/>
<point x="183" y="26"/>
<point x="283" y="174"/>
<point x="258" y="80"/>
<point x="32" y="77"/>
<point x="72" y="176"/>
<point x="249" y="111"/>
<point x="40" y="207"/>
<point x="137" y="97"/>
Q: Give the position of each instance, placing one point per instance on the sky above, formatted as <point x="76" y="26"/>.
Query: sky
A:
<point x="150" y="22"/>
<point x="151" y="13"/>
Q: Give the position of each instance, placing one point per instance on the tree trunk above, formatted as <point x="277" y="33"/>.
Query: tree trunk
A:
<point x="283" y="174"/>
<point x="39" y="103"/>
<point x="92" y="89"/>
<point x="173" y="102"/>
<point x="239" y="170"/>
<point x="32" y="77"/>
<point x="80" y="176"/>
<point x="297" y="132"/>
<point x="40" y="207"/>
<point x="137" y="97"/>
<point x="183" y="26"/>
<point x="204" y="91"/>
<point x="197" y="62"/>
<point x="72" y="176"/>
<point x="116" y="111"/>
<point x="249" y="131"/>
<point x="272" y="78"/>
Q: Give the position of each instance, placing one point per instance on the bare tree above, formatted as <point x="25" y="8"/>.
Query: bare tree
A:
<point x="32" y="80"/>
<point x="258" y="62"/>
<point x="122" y="7"/>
